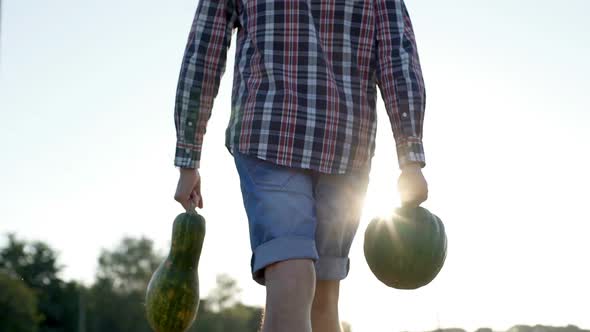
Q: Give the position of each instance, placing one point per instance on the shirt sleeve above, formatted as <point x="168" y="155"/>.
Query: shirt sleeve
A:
<point x="399" y="78"/>
<point x="202" y="68"/>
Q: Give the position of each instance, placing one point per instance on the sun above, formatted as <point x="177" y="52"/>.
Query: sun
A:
<point x="381" y="198"/>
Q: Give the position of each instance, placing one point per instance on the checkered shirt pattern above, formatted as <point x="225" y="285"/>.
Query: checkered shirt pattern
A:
<point x="304" y="85"/>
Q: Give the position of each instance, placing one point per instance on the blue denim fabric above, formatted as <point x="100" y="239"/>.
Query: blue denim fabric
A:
<point x="298" y="213"/>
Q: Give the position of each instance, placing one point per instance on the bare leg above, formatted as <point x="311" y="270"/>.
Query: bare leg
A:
<point x="324" y="311"/>
<point x="290" y="287"/>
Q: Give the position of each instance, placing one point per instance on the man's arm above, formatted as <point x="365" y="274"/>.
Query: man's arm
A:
<point x="399" y="78"/>
<point x="202" y="68"/>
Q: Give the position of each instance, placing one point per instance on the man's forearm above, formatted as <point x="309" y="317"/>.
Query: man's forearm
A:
<point x="202" y="68"/>
<point x="400" y="79"/>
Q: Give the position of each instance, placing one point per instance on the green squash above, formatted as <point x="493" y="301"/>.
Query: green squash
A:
<point x="406" y="250"/>
<point x="172" y="297"/>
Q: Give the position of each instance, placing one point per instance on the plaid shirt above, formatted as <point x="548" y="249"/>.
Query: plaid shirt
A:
<point x="304" y="85"/>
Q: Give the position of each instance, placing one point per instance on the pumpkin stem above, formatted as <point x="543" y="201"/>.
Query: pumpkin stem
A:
<point x="191" y="208"/>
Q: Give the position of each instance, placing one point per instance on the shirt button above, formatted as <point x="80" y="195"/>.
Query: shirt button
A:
<point x="190" y="123"/>
<point x="405" y="115"/>
<point x="187" y="150"/>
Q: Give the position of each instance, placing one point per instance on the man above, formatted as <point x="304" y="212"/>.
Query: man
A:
<point x="302" y="133"/>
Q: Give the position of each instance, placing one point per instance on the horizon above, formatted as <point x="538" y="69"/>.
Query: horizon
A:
<point x="87" y="135"/>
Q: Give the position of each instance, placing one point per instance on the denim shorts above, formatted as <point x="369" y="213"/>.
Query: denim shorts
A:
<point x="298" y="213"/>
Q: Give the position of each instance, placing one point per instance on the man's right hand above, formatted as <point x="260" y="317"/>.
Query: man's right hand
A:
<point x="189" y="189"/>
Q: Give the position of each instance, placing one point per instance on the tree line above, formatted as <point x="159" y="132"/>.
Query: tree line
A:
<point x="33" y="297"/>
<point x="523" y="328"/>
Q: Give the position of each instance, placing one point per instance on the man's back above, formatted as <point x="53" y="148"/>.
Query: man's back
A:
<point x="304" y="89"/>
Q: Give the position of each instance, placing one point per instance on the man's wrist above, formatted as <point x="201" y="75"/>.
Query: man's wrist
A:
<point x="410" y="153"/>
<point x="412" y="167"/>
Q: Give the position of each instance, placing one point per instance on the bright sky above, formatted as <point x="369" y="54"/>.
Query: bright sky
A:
<point x="87" y="143"/>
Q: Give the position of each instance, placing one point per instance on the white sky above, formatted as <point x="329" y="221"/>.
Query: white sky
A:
<point x="87" y="144"/>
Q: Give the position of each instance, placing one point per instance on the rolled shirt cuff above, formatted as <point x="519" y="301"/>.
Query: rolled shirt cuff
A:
<point x="187" y="156"/>
<point x="410" y="151"/>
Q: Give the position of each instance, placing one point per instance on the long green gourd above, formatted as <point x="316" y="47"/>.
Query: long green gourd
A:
<point x="172" y="297"/>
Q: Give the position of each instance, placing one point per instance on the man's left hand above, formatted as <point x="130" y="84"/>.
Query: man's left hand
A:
<point x="412" y="186"/>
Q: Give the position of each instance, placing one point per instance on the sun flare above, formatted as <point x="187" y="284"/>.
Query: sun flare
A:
<point x="380" y="201"/>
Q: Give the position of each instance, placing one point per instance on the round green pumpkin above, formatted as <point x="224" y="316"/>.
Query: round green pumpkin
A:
<point x="407" y="249"/>
<point x="172" y="297"/>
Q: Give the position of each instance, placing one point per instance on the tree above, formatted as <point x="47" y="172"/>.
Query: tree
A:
<point x="35" y="263"/>
<point x="129" y="266"/>
<point x="116" y="300"/>
<point x="225" y="295"/>
<point x="520" y="328"/>
<point x="221" y="311"/>
<point x="18" y="306"/>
